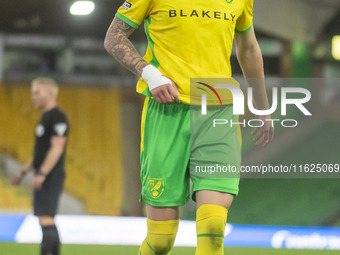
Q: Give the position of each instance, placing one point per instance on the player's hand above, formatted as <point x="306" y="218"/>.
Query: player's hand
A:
<point x="16" y="179"/>
<point x="166" y="93"/>
<point x="265" y="134"/>
<point x="38" y="181"/>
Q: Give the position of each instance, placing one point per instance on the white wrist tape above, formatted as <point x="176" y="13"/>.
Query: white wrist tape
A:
<point x="153" y="77"/>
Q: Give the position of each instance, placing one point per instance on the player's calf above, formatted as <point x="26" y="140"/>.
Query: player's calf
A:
<point x="160" y="237"/>
<point x="50" y="243"/>
<point x="210" y="225"/>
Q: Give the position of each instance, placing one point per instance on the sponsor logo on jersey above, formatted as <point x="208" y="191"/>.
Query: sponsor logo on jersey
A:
<point x="156" y="187"/>
<point x="229" y="1"/>
<point x="40" y="130"/>
<point x="60" y="128"/>
<point x="126" y="5"/>
<point x="202" y="14"/>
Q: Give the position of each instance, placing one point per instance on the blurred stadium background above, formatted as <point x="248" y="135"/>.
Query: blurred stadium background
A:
<point x="298" y="39"/>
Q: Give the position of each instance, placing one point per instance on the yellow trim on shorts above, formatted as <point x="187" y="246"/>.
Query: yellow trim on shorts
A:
<point x="239" y="134"/>
<point x="145" y="109"/>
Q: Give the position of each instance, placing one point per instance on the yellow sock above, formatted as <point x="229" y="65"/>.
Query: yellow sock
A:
<point x="160" y="238"/>
<point x="210" y="225"/>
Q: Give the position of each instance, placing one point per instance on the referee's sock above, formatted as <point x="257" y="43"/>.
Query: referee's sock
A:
<point x="160" y="238"/>
<point x="210" y="224"/>
<point x="50" y="243"/>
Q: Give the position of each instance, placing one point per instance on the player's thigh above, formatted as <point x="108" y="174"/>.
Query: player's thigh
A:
<point x="215" y="150"/>
<point x="162" y="213"/>
<point x="214" y="197"/>
<point x="46" y="220"/>
<point x="215" y="157"/>
<point x="45" y="200"/>
<point x="165" y="154"/>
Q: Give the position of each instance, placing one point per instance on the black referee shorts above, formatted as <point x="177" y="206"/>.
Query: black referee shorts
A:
<point x="46" y="199"/>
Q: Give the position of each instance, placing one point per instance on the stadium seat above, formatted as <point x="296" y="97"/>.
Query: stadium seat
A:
<point x="94" y="167"/>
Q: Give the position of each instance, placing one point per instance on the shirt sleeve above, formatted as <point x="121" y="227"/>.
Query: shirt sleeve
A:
<point x="133" y="12"/>
<point x="60" y="126"/>
<point x="245" y="22"/>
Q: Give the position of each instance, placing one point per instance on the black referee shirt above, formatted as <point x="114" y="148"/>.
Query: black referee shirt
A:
<point x="53" y="123"/>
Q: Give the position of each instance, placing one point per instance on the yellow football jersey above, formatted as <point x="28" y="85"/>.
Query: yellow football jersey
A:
<point x="189" y="38"/>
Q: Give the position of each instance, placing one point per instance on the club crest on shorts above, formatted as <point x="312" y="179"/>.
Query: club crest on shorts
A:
<point x="156" y="187"/>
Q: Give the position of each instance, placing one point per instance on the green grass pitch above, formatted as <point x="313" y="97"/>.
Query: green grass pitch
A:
<point x="67" y="249"/>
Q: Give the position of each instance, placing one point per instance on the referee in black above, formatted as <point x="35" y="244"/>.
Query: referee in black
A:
<point x="48" y="161"/>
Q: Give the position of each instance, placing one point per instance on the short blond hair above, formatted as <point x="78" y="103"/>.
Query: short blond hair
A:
<point x="49" y="83"/>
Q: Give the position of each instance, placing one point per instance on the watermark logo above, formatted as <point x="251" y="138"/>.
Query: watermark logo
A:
<point x="238" y="100"/>
<point x="204" y="96"/>
<point x="301" y="97"/>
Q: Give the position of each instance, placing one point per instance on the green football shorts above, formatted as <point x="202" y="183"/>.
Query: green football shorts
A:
<point x="179" y="144"/>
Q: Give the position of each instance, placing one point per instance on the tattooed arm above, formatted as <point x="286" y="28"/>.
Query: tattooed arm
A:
<point x="120" y="47"/>
<point x="164" y="90"/>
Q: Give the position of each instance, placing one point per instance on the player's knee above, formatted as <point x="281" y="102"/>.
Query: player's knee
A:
<point x="211" y="221"/>
<point x="161" y="235"/>
<point x="216" y="239"/>
<point x="162" y="244"/>
<point x="46" y="220"/>
<point x="215" y="231"/>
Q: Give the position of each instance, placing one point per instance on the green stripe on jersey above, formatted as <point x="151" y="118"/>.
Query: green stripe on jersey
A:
<point x="154" y="60"/>
<point x="244" y="31"/>
<point x="126" y="20"/>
